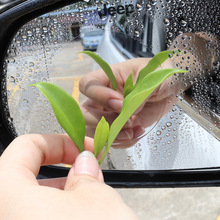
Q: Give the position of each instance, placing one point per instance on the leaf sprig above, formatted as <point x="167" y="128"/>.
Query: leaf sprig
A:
<point x="70" y="117"/>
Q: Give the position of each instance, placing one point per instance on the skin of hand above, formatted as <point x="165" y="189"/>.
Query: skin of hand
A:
<point x="82" y="195"/>
<point x="104" y="101"/>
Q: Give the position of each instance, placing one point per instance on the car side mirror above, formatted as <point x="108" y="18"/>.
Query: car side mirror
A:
<point x="41" y="41"/>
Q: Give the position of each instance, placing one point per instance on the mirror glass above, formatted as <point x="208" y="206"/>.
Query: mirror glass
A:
<point x="178" y="127"/>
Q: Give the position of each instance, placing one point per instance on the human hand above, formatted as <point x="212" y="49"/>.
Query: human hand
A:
<point x="104" y="101"/>
<point x="82" y="195"/>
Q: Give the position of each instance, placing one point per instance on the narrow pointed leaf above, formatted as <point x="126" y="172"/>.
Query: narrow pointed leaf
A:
<point x="153" y="64"/>
<point x="135" y="99"/>
<point x="101" y="136"/>
<point x="66" y="110"/>
<point x="106" y="68"/>
<point x="128" y="85"/>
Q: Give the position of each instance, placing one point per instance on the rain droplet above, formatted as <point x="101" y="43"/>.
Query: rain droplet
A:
<point x="168" y="124"/>
<point x="149" y="7"/>
<point x="45" y="29"/>
<point x="37" y="30"/>
<point x="24" y="37"/>
<point x="216" y="63"/>
<point x="55" y="21"/>
<point x="154" y="2"/>
<point x="180" y="33"/>
<point x="47" y="49"/>
<point x="136" y="33"/>
<point x="170" y="55"/>
<point x="166" y="21"/>
<point x="18" y="43"/>
<point x="104" y="18"/>
<point x="31" y="64"/>
<point x="139" y="7"/>
<point x="158" y="133"/>
<point x="183" y="23"/>
<point x="12" y="79"/>
<point x="29" y="33"/>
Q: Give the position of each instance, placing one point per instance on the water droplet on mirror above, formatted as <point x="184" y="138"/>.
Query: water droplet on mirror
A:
<point x="180" y="33"/>
<point x="139" y="7"/>
<point x="47" y="49"/>
<point x="170" y="34"/>
<point x="168" y="124"/>
<point x="148" y="7"/>
<point x="136" y="33"/>
<point x="170" y="55"/>
<point x="11" y="60"/>
<point x="37" y="30"/>
<point x="12" y="79"/>
<point x="216" y="64"/>
<point x="158" y="133"/>
<point x="154" y="2"/>
<point x="163" y="127"/>
<point x="24" y="37"/>
<point x="104" y="18"/>
<point x="166" y="21"/>
<point x="183" y="23"/>
<point x="29" y="33"/>
<point x="31" y="64"/>
<point x="55" y="21"/>
<point x="45" y="29"/>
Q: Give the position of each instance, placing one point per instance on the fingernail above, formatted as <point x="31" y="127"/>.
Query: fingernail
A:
<point x="116" y="104"/>
<point x="86" y="163"/>
<point x="124" y="135"/>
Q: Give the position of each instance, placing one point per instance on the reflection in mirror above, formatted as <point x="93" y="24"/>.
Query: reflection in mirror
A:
<point x="178" y="127"/>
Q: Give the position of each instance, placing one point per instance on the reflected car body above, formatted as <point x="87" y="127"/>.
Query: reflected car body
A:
<point x="91" y="38"/>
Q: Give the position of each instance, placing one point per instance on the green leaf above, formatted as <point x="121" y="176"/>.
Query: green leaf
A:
<point x="101" y="136"/>
<point x="128" y="85"/>
<point x="154" y="63"/>
<point x="132" y="101"/>
<point x="66" y="110"/>
<point x="106" y="68"/>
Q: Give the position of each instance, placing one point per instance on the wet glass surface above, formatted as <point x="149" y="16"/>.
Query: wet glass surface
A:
<point x="186" y="131"/>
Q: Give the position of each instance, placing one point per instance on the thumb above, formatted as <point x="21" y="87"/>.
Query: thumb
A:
<point x="86" y="168"/>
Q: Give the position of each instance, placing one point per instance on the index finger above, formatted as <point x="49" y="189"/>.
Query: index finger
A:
<point x="27" y="153"/>
<point x="96" y="86"/>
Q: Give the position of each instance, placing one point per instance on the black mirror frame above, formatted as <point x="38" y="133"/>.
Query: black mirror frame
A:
<point x="14" y="16"/>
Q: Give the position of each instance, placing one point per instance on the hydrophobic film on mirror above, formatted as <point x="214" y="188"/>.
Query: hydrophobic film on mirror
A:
<point x="186" y="130"/>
